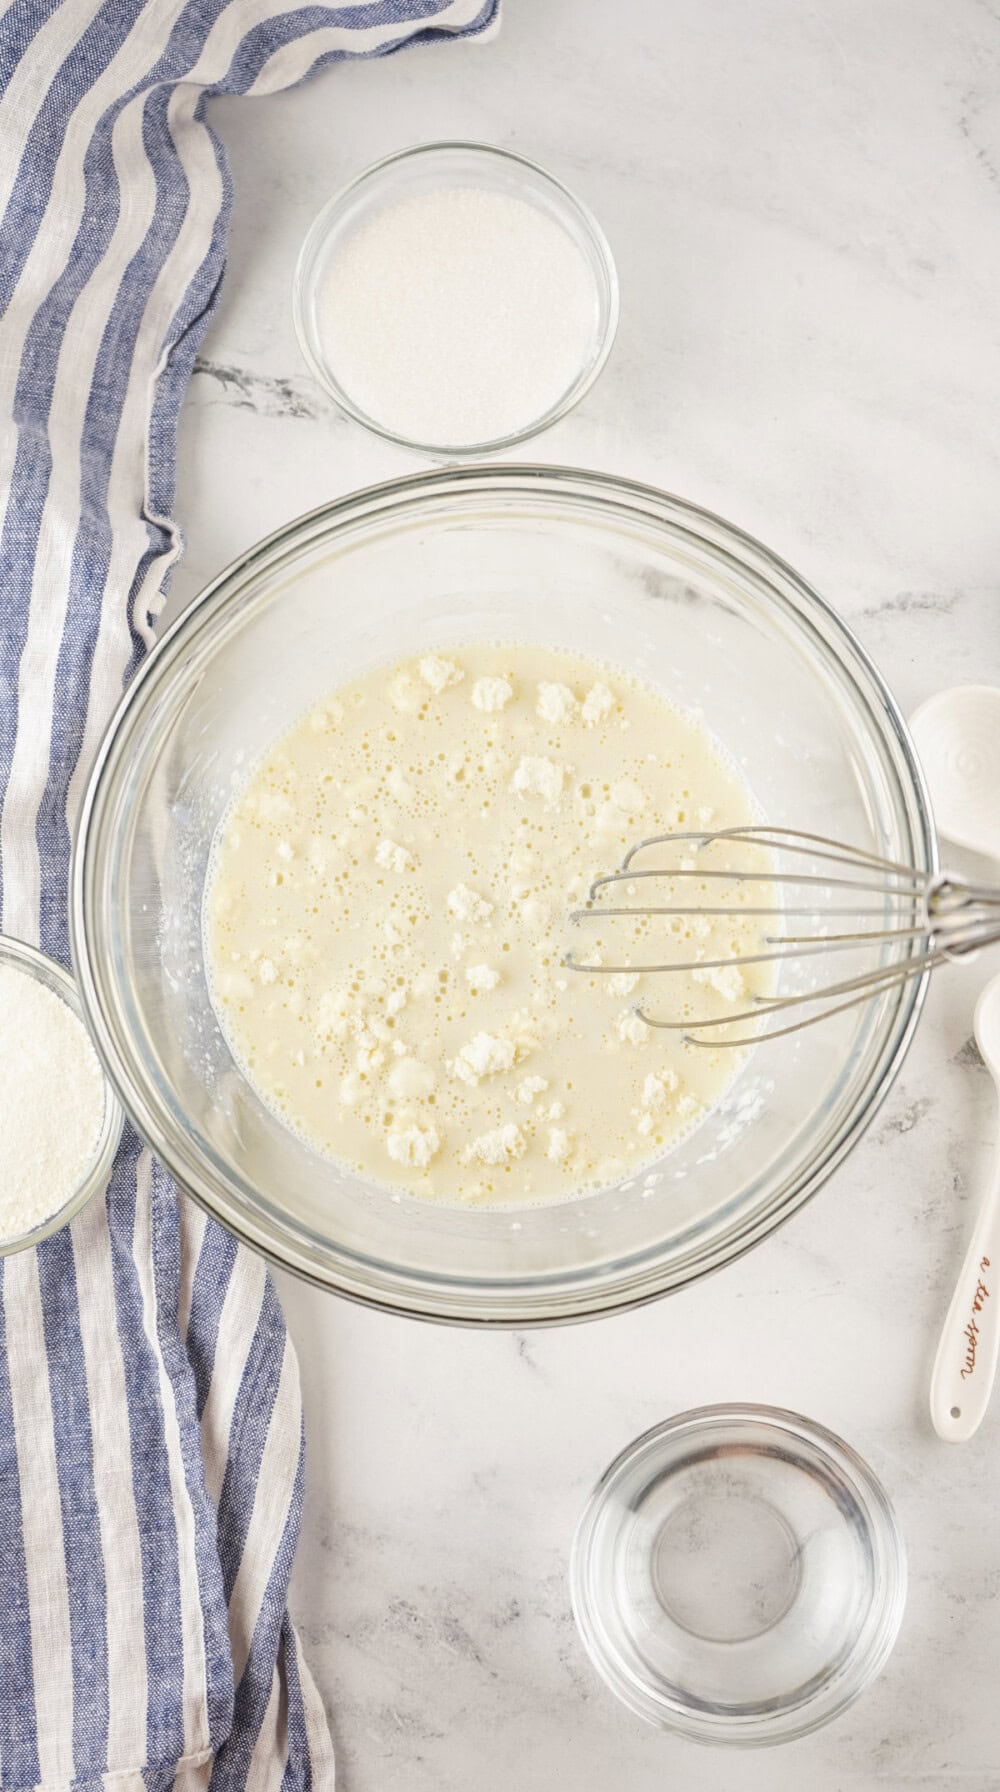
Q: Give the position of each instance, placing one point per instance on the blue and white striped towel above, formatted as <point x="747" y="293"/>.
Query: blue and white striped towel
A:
<point x="150" y="1421"/>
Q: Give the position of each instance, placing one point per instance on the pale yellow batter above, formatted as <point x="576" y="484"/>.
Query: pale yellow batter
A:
<point x="387" y="917"/>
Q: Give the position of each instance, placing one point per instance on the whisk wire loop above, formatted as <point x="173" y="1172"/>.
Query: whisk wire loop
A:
<point x="935" y="918"/>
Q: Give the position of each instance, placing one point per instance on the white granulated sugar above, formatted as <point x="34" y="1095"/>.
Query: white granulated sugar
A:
<point x="52" y="1097"/>
<point x="457" y="316"/>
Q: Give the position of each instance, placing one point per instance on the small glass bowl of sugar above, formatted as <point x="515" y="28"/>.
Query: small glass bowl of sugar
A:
<point x="60" y="1121"/>
<point x="455" y="298"/>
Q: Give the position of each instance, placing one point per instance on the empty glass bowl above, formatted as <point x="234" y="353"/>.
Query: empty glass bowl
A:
<point x="566" y="559"/>
<point x="19" y="956"/>
<point x="738" y="1575"/>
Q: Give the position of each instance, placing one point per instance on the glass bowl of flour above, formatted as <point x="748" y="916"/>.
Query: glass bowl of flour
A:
<point x="455" y="298"/>
<point x="325" y="864"/>
<point x="59" y="1118"/>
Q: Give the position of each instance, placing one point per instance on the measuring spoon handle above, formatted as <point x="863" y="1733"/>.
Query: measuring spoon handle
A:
<point x="965" y="1365"/>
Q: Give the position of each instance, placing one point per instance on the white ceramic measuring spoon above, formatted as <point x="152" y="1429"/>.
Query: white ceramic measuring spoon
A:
<point x="957" y="734"/>
<point x="965" y="1365"/>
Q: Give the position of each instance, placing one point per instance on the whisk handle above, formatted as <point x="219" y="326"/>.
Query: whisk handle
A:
<point x="965" y="1365"/>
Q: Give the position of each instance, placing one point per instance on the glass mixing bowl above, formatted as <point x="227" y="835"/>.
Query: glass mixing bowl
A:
<point x="569" y="559"/>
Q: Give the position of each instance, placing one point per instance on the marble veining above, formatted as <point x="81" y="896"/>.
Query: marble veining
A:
<point x="268" y="395"/>
<point x="803" y="203"/>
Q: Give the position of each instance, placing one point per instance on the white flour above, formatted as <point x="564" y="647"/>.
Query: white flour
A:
<point x="52" y="1095"/>
<point x="458" y="316"/>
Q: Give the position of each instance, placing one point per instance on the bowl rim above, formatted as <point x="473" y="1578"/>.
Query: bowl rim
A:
<point x="378" y="172"/>
<point x="444" y="1298"/>
<point x="50" y="974"/>
<point x="883" y="1618"/>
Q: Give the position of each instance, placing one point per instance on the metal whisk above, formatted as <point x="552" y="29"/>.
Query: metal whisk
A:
<point x="928" y="919"/>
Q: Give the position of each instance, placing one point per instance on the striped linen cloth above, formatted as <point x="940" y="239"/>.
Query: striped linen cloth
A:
<point x="151" y="1455"/>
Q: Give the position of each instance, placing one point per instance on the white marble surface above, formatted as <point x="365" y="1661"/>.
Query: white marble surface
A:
<point x="804" y="201"/>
